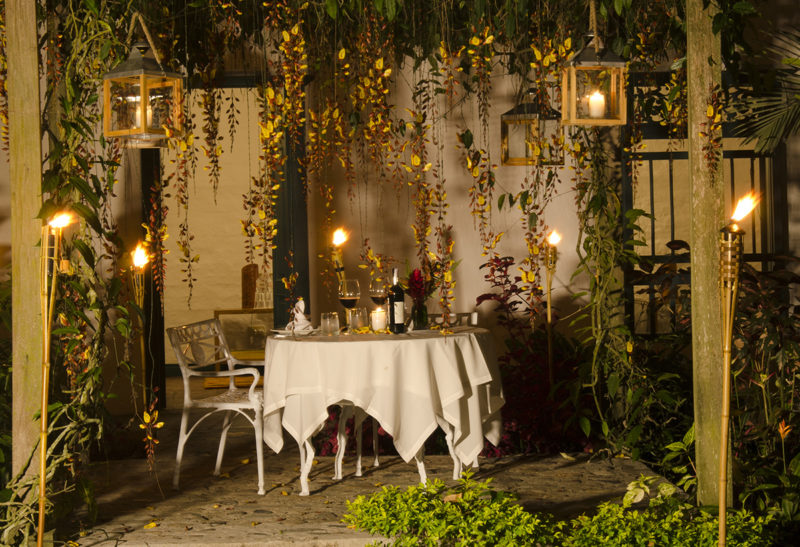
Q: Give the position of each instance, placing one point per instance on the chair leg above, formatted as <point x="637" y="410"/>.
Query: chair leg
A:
<point x="181" y="443"/>
<point x="419" y="458"/>
<point x="259" y="427"/>
<point x="341" y="440"/>
<point x="226" y="425"/>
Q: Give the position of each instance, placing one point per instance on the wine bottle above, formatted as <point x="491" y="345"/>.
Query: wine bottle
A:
<point x="396" y="306"/>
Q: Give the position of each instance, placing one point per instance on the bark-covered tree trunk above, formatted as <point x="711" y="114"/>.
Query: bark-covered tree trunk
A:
<point x="704" y="70"/>
<point x="26" y="184"/>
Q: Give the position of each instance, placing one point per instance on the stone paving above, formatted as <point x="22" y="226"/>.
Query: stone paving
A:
<point x="136" y="509"/>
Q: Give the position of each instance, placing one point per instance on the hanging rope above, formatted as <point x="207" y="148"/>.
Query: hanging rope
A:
<point x="598" y="43"/>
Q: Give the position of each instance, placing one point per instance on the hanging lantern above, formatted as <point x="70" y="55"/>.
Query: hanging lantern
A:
<point x="140" y="98"/>
<point x="593" y="84"/>
<point x="531" y="134"/>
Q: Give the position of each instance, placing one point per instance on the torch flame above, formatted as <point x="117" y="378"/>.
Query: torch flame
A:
<point x="744" y="206"/>
<point x="554" y="238"/>
<point x="60" y="220"/>
<point x="140" y="258"/>
<point x="339" y="237"/>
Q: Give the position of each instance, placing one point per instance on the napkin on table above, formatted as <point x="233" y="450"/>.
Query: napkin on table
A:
<point x="299" y="320"/>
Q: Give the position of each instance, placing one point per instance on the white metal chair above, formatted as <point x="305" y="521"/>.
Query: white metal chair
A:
<point x="200" y="346"/>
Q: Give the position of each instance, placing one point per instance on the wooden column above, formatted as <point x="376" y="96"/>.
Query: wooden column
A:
<point x="704" y="71"/>
<point x="26" y="183"/>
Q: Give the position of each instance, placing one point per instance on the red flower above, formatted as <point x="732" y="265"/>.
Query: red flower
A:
<point x="416" y="286"/>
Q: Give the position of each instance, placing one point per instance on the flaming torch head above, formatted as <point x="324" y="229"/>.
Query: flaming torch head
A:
<point x="554" y="238"/>
<point x="140" y="258"/>
<point x="60" y="220"/>
<point x="744" y="207"/>
<point x="339" y="237"/>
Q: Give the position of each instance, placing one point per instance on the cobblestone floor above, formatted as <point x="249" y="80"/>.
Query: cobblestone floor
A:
<point x="135" y="509"/>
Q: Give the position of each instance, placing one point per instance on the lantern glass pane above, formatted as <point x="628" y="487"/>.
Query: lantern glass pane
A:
<point x="596" y="93"/>
<point x="551" y="143"/>
<point x="161" y="98"/>
<point x="519" y="137"/>
<point x="125" y="97"/>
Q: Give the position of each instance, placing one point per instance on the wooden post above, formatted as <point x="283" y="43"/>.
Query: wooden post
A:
<point x="26" y="183"/>
<point x="704" y="71"/>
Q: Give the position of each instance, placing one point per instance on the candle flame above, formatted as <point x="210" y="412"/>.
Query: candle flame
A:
<point x="60" y="220"/>
<point x="554" y="238"/>
<point x="140" y="258"/>
<point x="744" y="206"/>
<point x="339" y="237"/>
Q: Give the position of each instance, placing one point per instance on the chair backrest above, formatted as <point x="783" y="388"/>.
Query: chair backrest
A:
<point x="199" y="345"/>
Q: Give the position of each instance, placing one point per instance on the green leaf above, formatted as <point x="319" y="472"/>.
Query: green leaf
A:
<point x="586" y="427"/>
<point x="677" y="446"/>
<point x="85" y="190"/>
<point x="332" y="9"/>
<point x="613" y="384"/>
<point x="618" y="6"/>
<point x="500" y="201"/>
<point x="88" y="215"/>
<point x="688" y="439"/>
<point x="92" y="6"/>
<point x="60" y="331"/>
<point x="604" y="428"/>
<point x="86" y="252"/>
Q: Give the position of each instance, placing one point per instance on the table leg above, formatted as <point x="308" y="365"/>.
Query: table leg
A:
<point x="306" y="460"/>
<point x="449" y="433"/>
<point x="359" y="423"/>
<point x="375" y="463"/>
<point x="419" y="458"/>
<point x="341" y="441"/>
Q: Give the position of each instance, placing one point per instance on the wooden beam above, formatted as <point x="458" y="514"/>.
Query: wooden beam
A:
<point x="26" y="182"/>
<point x="704" y="71"/>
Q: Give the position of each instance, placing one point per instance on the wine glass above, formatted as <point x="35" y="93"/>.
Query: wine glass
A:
<point x="349" y="293"/>
<point x="377" y="292"/>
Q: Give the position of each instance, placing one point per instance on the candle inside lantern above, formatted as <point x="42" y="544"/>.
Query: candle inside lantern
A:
<point x="554" y="238"/>
<point x="340" y="237"/>
<point x="597" y="105"/>
<point x="377" y="319"/>
<point x="140" y="258"/>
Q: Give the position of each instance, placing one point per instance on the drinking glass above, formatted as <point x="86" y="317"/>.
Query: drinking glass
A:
<point x="377" y="292"/>
<point x="349" y="293"/>
<point x="357" y="318"/>
<point x="329" y="323"/>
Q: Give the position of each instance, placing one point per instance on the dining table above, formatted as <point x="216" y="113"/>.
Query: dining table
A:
<point x="411" y="383"/>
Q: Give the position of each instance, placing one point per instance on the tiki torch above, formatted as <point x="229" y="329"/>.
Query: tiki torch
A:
<point x="49" y="264"/>
<point x="140" y="260"/>
<point x="730" y="247"/>
<point x="339" y="238"/>
<point x="550" y="258"/>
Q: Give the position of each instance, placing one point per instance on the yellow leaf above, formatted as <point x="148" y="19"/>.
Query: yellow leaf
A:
<point x="246" y="461"/>
<point x="284" y="493"/>
<point x="379" y="64"/>
<point x="710" y="111"/>
<point x="146" y="417"/>
<point x="296" y="29"/>
<point x="537" y="54"/>
<point x="342" y="53"/>
<point x="568" y="43"/>
<point x="151" y="524"/>
<point x="475" y="41"/>
<point x="629" y="346"/>
<point x="286" y="36"/>
<point x="415" y="160"/>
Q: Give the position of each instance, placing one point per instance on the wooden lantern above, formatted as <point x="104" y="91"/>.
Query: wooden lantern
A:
<point x="140" y="99"/>
<point x="531" y="134"/>
<point x="593" y="87"/>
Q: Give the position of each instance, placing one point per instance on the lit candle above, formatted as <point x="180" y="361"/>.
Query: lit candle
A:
<point x="597" y="105"/>
<point x="554" y="238"/>
<point x="339" y="239"/>
<point x="377" y="319"/>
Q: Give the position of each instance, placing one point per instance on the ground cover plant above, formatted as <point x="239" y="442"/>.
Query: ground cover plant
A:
<point x="473" y="513"/>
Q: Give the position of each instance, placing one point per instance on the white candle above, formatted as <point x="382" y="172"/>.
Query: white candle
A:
<point x="377" y="319"/>
<point x="597" y="105"/>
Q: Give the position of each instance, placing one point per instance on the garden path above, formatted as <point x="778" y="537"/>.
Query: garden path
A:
<point x="227" y="511"/>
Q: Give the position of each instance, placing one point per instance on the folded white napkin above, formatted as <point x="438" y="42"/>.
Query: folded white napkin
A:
<point x="299" y="322"/>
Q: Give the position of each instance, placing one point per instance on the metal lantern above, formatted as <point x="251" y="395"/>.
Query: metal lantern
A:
<point x="593" y="87"/>
<point x="139" y="99"/>
<point x="531" y="134"/>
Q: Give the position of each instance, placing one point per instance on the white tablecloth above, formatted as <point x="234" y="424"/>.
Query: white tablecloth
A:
<point x="403" y="381"/>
